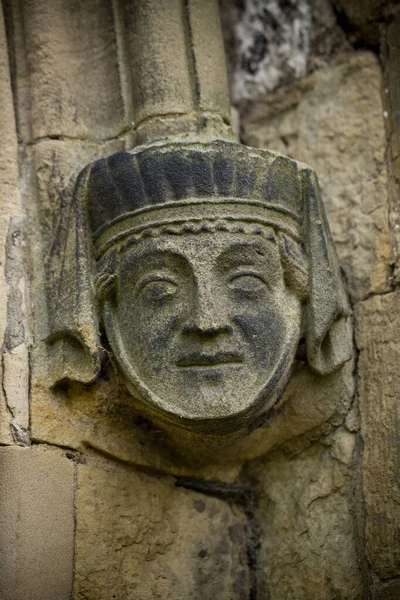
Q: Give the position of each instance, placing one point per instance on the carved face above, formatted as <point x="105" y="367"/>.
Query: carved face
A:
<point x="203" y="326"/>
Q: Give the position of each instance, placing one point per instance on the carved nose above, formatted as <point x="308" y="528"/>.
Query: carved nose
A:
<point x="202" y="330"/>
<point x="207" y="317"/>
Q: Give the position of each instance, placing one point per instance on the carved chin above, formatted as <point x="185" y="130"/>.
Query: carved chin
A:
<point x="218" y="399"/>
<point x="211" y="411"/>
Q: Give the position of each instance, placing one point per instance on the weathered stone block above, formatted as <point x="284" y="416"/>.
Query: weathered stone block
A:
<point x="377" y="336"/>
<point x="333" y="120"/>
<point x="14" y="369"/>
<point x="141" y="537"/>
<point x="307" y="548"/>
<point x="36" y="524"/>
<point x="73" y="65"/>
<point x="391" y="51"/>
<point x="16" y="390"/>
<point x="310" y="404"/>
<point x="54" y="166"/>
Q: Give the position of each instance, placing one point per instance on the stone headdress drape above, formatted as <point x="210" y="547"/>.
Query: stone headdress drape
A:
<point x="192" y="186"/>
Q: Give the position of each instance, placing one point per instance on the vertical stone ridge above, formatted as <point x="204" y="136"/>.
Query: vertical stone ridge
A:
<point x="178" y="68"/>
<point x="253" y="545"/>
<point x="75" y="504"/>
<point x="123" y="62"/>
<point x="391" y="97"/>
<point x="357" y="499"/>
<point x="209" y="58"/>
<point x="195" y="74"/>
<point x="14" y="342"/>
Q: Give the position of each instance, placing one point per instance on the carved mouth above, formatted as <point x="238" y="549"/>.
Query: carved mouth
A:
<point x="199" y="359"/>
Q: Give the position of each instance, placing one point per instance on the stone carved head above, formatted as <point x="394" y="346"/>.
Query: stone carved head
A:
<point x="206" y="263"/>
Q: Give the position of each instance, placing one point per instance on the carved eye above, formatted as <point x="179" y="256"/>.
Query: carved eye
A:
<point x="248" y="286"/>
<point x="158" y="290"/>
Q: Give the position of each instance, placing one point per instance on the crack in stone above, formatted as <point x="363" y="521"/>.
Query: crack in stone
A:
<point x="243" y="496"/>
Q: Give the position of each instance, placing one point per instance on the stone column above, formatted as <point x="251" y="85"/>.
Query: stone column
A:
<point x="178" y="66"/>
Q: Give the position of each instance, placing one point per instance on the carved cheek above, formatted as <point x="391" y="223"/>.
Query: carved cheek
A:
<point x="264" y="330"/>
<point x="154" y="324"/>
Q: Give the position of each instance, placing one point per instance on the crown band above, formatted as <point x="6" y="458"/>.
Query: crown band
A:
<point x="178" y="213"/>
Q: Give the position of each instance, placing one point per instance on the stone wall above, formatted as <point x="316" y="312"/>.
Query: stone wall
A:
<point x="93" y="505"/>
<point x="338" y="113"/>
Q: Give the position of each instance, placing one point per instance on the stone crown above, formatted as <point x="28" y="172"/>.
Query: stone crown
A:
<point x="174" y="183"/>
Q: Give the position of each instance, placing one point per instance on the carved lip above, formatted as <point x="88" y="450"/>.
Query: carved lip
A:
<point x="200" y="359"/>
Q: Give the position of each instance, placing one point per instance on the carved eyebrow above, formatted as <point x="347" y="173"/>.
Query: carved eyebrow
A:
<point x="152" y="253"/>
<point x="154" y="259"/>
<point x="245" y="253"/>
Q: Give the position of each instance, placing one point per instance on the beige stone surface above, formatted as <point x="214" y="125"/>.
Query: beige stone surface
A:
<point x="160" y="63"/>
<point x="36" y="524"/>
<point x="14" y="408"/>
<point x="377" y="336"/>
<point x="52" y="169"/>
<point x="334" y="121"/>
<point x="209" y="57"/>
<point x="310" y="406"/>
<point x="6" y="436"/>
<point x="138" y="536"/>
<point x="10" y="198"/>
<point x="141" y="537"/>
<point x="391" y="50"/>
<point x="307" y="549"/>
<point x="16" y="383"/>
<point x="71" y="68"/>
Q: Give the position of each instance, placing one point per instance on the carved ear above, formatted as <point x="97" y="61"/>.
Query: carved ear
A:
<point x="328" y="340"/>
<point x="73" y="340"/>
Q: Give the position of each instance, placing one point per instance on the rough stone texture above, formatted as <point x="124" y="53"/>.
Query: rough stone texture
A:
<point x="141" y="537"/>
<point x="367" y="16"/>
<point x="307" y="544"/>
<point x="55" y="165"/>
<point x="81" y="86"/>
<point x="71" y="79"/>
<point x="173" y="66"/>
<point x="386" y="591"/>
<point x="377" y="336"/>
<point x="16" y="384"/>
<point x="169" y="88"/>
<point x="391" y="51"/>
<point x="13" y="394"/>
<point x="36" y="524"/>
<point x="333" y="121"/>
<point x="216" y="321"/>
<point x="274" y="42"/>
